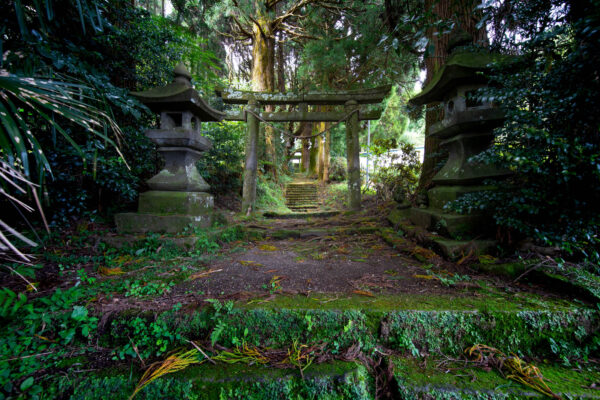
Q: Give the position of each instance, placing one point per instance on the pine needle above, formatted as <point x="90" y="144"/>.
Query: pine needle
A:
<point x="175" y="362"/>
<point x="514" y="367"/>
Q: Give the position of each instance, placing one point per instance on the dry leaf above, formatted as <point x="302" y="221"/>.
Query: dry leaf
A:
<point x="425" y="276"/>
<point x="204" y="274"/>
<point x="267" y="247"/>
<point x="250" y="263"/>
<point x="363" y="293"/>
<point x="110" y="271"/>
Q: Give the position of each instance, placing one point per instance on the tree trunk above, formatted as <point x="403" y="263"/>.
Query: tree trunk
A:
<point x="263" y="79"/>
<point x="353" y="156"/>
<point x="305" y="161"/>
<point x="251" y="164"/>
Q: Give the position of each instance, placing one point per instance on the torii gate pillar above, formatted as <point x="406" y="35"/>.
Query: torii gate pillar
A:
<point x="251" y="165"/>
<point x="353" y="155"/>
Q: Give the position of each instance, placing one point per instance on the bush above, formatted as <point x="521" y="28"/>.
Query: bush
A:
<point x="398" y="179"/>
<point x="550" y="138"/>
<point x="337" y="169"/>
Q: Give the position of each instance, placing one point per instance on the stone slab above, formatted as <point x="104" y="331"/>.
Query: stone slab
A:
<point x="456" y="249"/>
<point x="143" y="223"/>
<point x="169" y="202"/>
<point x="397" y="215"/>
<point x="439" y="196"/>
<point x="452" y="225"/>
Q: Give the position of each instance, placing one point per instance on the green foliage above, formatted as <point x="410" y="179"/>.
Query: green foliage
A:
<point x="140" y="289"/>
<point x="11" y="303"/>
<point x="394" y="122"/>
<point x="221" y="166"/>
<point x="143" y="339"/>
<point x="102" y="49"/>
<point x="550" y="137"/>
<point x="269" y="194"/>
<point x="397" y="178"/>
<point x="337" y="169"/>
<point x="38" y="335"/>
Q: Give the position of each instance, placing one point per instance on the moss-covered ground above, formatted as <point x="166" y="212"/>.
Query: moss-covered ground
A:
<point x="330" y="306"/>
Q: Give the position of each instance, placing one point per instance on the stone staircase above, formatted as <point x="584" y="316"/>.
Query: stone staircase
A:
<point x="301" y="196"/>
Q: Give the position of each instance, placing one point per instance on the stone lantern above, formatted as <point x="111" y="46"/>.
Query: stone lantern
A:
<point x="178" y="197"/>
<point x="466" y="130"/>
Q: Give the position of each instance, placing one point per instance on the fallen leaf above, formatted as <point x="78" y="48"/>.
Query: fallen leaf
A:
<point x="267" y="247"/>
<point x="110" y="271"/>
<point x="363" y="293"/>
<point x="203" y="274"/>
<point x="270" y="271"/>
<point x="250" y="263"/>
<point x="487" y="259"/>
<point x="426" y="276"/>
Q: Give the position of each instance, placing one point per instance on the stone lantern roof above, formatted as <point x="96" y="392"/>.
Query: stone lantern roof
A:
<point x="461" y="68"/>
<point x="179" y="95"/>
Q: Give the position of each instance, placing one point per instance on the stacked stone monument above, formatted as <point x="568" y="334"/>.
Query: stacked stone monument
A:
<point x="179" y="196"/>
<point x="466" y="130"/>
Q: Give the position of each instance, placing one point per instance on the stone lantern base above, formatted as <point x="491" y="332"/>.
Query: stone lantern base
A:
<point x="168" y="212"/>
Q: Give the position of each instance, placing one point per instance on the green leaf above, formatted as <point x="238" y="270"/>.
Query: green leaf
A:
<point x="79" y="313"/>
<point x="26" y="384"/>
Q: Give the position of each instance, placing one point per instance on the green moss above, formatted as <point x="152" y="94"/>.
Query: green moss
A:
<point x="338" y="380"/>
<point x="458" y="380"/>
<point x="561" y="334"/>
<point x="469" y="301"/>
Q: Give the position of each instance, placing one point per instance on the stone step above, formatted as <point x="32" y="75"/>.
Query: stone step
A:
<point x="420" y="378"/>
<point x="333" y="380"/>
<point x="413" y="378"/>
<point x="524" y="323"/>
<point x="435" y="329"/>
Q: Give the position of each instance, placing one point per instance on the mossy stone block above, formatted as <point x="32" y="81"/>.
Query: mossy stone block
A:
<point x="171" y="202"/>
<point x="454" y="249"/>
<point x="439" y="196"/>
<point x="143" y="223"/>
<point x="417" y="381"/>
<point x="452" y="225"/>
<point x="398" y="215"/>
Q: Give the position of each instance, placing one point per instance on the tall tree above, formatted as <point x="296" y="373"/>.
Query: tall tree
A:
<point x="265" y="23"/>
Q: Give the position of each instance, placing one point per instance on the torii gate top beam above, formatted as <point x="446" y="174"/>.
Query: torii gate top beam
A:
<point x="361" y="96"/>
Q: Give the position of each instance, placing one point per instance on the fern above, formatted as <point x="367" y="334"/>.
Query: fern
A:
<point x="217" y="332"/>
<point x="10" y="302"/>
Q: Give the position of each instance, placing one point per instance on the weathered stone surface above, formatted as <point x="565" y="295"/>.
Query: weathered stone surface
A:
<point x="362" y="96"/>
<point x="452" y="225"/>
<point x="170" y="202"/>
<point x="459" y="170"/>
<point x="455" y="249"/>
<point x="467" y="121"/>
<point x="460" y="68"/>
<point x="143" y="223"/>
<point x="439" y="196"/>
<point x="398" y="215"/>
<point x="179" y="137"/>
<point x="180" y="172"/>
<point x="179" y="95"/>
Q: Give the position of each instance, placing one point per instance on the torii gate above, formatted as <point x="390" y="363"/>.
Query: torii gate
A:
<point x="350" y="99"/>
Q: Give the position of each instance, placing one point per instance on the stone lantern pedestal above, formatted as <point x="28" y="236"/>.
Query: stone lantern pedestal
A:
<point x="179" y="197"/>
<point x="466" y="130"/>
